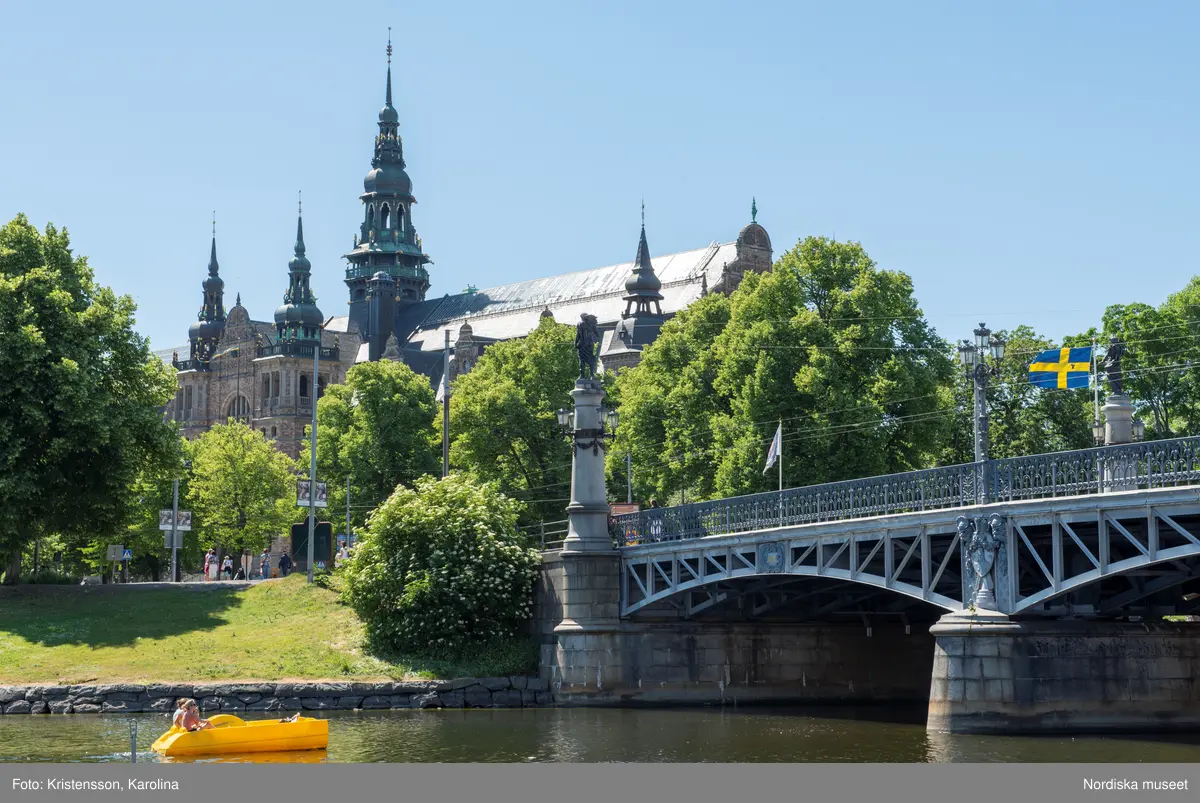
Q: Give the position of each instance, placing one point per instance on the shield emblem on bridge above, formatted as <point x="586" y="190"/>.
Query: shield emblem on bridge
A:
<point x="770" y="557"/>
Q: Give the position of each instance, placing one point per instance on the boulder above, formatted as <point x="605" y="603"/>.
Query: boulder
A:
<point x="368" y="688"/>
<point x="162" y="704"/>
<point x="377" y="701"/>
<point x="477" y="697"/>
<point x="232" y="704"/>
<point x="545" y="698"/>
<point x="400" y="700"/>
<point x="506" y="698"/>
<point x="121" y="688"/>
<point x="284" y="690"/>
<point x="61" y="706"/>
<point x="453" y="699"/>
<point x="494" y="684"/>
<point x="290" y="703"/>
<point x="249" y="698"/>
<point x="462" y="683"/>
<point x="528" y="698"/>
<point x="517" y="682"/>
<point x="10" y="694"/>
<point x="122" y="696"/>
<point x="427" y="700"/>
<point x="164" y="690"/>
<point x="316" y="703"/>
<point x="535" y="684"/>
<point x="120" y="706"/>
<point x="84" y="708"/>
<point x="210" y="704"/>
<point x="33" y="693"/>
<point x="88" y="700"/>
<point x="265" y="704"/>
<point x="414" y="687"/>
<point x="40" y="707"/>
<point x="349" y="703"/>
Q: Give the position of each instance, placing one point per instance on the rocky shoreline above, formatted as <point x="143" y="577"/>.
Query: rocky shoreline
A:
<point x="121" y="698"/>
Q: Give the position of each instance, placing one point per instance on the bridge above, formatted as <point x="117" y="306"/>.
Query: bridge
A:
<point x="1021" y="594"/>
<point x="1100" y="532"/>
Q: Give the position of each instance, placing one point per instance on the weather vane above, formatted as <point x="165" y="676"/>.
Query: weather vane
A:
<point x="389" y="45"/>
<point x="300" y="201"/>
<point x="643" y="213"/>
<point x="214" y="223"/>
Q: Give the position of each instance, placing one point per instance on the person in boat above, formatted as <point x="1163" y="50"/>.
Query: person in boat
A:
<point x="191" y="718"/>
<point x="293" y="718"/>
<point x="180" y="708"/>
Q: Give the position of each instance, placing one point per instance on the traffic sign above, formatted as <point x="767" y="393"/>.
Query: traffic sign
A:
<point x="320" y="564"/>
<point x="127" y="554"/>
<point x="115" y="551"/>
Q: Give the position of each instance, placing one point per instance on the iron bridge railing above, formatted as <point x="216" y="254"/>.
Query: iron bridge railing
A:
<point x="1153" y="464"/>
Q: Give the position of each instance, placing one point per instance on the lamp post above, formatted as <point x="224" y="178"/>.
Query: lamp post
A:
<point x="974" y="357"/>
<point x="312" y="462"/>
<point x="187" y="464"/>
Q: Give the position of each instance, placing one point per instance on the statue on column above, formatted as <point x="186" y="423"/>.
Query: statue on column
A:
<point x="1112" y="366"/>
<point x="587" y="335"/>
<point x="981" y="540"/>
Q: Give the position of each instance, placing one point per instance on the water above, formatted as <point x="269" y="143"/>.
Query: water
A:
<point x="768" y="734"/>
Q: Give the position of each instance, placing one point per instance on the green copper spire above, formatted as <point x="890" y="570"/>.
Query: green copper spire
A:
<point x="210" y="323"/>
<point x="299" y="318"/>
<point x="643" y="286"/>
<point x="753" y="210"/>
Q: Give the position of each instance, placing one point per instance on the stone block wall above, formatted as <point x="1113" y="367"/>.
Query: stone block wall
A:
<point x="1065" y="676"/>
<point x="242" y="698"/>
<point x="547" y="599"/>
<point x="697" y="662"/>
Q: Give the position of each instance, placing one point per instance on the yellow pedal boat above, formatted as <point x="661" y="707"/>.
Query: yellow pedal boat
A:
<point x="232" y="734"/>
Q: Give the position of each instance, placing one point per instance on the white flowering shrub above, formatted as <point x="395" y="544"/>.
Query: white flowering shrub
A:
<point x="441" y="568"/>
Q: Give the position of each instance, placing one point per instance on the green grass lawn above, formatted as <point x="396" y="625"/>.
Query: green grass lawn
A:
<point x="279" y="630"/>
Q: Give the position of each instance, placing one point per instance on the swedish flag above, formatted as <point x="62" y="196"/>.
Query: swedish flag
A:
<point x="1061" y="368"/>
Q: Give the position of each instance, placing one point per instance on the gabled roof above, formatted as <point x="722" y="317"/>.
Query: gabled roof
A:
<point x="514" y="310"/>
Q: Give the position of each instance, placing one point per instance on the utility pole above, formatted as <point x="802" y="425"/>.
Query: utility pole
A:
<point x="175" y="531"/>
<point x="628" y="478"/>
<point x="446" y="407"/>
<point x="312" y="463"/>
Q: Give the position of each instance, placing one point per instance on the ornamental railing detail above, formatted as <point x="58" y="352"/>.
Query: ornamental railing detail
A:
<point x="1153" y="464"/>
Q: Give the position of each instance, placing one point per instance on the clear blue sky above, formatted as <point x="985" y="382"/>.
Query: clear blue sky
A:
<point x="1022" y="161"/>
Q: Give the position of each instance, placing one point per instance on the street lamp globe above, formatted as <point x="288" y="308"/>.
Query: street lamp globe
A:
<point x="1098" y="431"/>
<point x="1139" y="429"/>
<point x="998" y="345"/>
<point x="564" y="417"/>
<point x="612" y="419"/>
<point x="966" y="353"/>
<point x="981" y="336"/>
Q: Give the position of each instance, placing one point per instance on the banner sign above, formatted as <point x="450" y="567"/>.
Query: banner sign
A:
<point x="302" y="494"/>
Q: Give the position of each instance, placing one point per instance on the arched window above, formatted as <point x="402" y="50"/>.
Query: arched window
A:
<point x="385" y="217"/>
<point x="264" y="433"/>
<point x="371" y="217"/>
<point x="399" y="223"/>
<point x="274" y="433"/>
<point x="239" y="408"/>
<point x="304" y="386"/>
<point x="266" y="385"/>
<point x="187" y="405"/>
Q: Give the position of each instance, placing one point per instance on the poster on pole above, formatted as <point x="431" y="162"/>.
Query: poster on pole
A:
<point x="166" y="519"/>
<point x="185" y="521"/>
<point x="303" y="491"/>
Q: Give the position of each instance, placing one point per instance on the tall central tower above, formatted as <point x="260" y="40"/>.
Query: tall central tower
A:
<point x="387" y="240"/>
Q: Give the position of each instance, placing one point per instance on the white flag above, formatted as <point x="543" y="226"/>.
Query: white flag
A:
<point x="776" y="443"/>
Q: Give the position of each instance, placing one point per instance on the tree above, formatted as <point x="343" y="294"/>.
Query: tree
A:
<point x="825" y="342"/>
<point x="503" y="423"/>
<point x="242" y="490"/>
<point x="82" y="397"/>
<point x="443" y="567"/>
<point x="1023" y="418"/>
<point x="377" y="429"/>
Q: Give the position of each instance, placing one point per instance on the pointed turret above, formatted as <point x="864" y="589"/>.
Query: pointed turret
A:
<point x="387" y="239"/>
<point x="299" y="318"/>
<point x="210" y="323"/>
<point x="643" y="286"/>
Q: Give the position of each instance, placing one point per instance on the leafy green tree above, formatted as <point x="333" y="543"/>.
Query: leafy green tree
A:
<point x="666" y="403"/>
<point x="826" y="342"/>
<point x="377" y="429"/>
<point x="1023" y="418"/>
<point x="503" y="424"/>
<point x="441" y="568"/>
<point x="82" y="397"/>
<point x="242" y="490"/>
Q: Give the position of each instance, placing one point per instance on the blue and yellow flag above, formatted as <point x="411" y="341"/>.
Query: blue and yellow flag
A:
<point x="1061" y="368"/>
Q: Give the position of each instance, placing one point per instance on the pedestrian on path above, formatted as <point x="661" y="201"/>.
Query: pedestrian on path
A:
<point x="210" y="561"/>
<point x="227" y="567"/>
<point x="285" y="564"/>
<point x="265" y="563"/>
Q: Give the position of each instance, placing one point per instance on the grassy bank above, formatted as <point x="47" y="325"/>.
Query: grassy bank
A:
<point x="279" y="630"/>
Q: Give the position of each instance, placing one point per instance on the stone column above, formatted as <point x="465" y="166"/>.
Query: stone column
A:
<point x="584" y="662"/>
<point x="588" y="510"/>
<point x="1118" y="420"/>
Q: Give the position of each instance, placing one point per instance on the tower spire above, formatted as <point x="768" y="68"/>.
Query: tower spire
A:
<point x="389" y="69"/>
<point x="642" y="286"/>
<point x="213" y="268"/>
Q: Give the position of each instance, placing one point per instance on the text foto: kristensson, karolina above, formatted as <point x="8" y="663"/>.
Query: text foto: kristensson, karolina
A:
<point x="1129" y="783"/>
<point x="74" y="785"/>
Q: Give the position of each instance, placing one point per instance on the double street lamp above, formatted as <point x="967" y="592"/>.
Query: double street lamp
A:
<point x="974" y="357"/>
<point x="607" y="418"/>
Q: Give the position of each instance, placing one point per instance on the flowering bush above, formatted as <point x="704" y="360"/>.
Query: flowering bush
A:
<point x="442" y="567"/>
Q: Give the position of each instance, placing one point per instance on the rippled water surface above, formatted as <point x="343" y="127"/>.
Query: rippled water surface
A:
<point x="601" y="735"/>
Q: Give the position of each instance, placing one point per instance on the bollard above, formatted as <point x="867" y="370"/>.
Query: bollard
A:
<point x="133" y="741"/>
